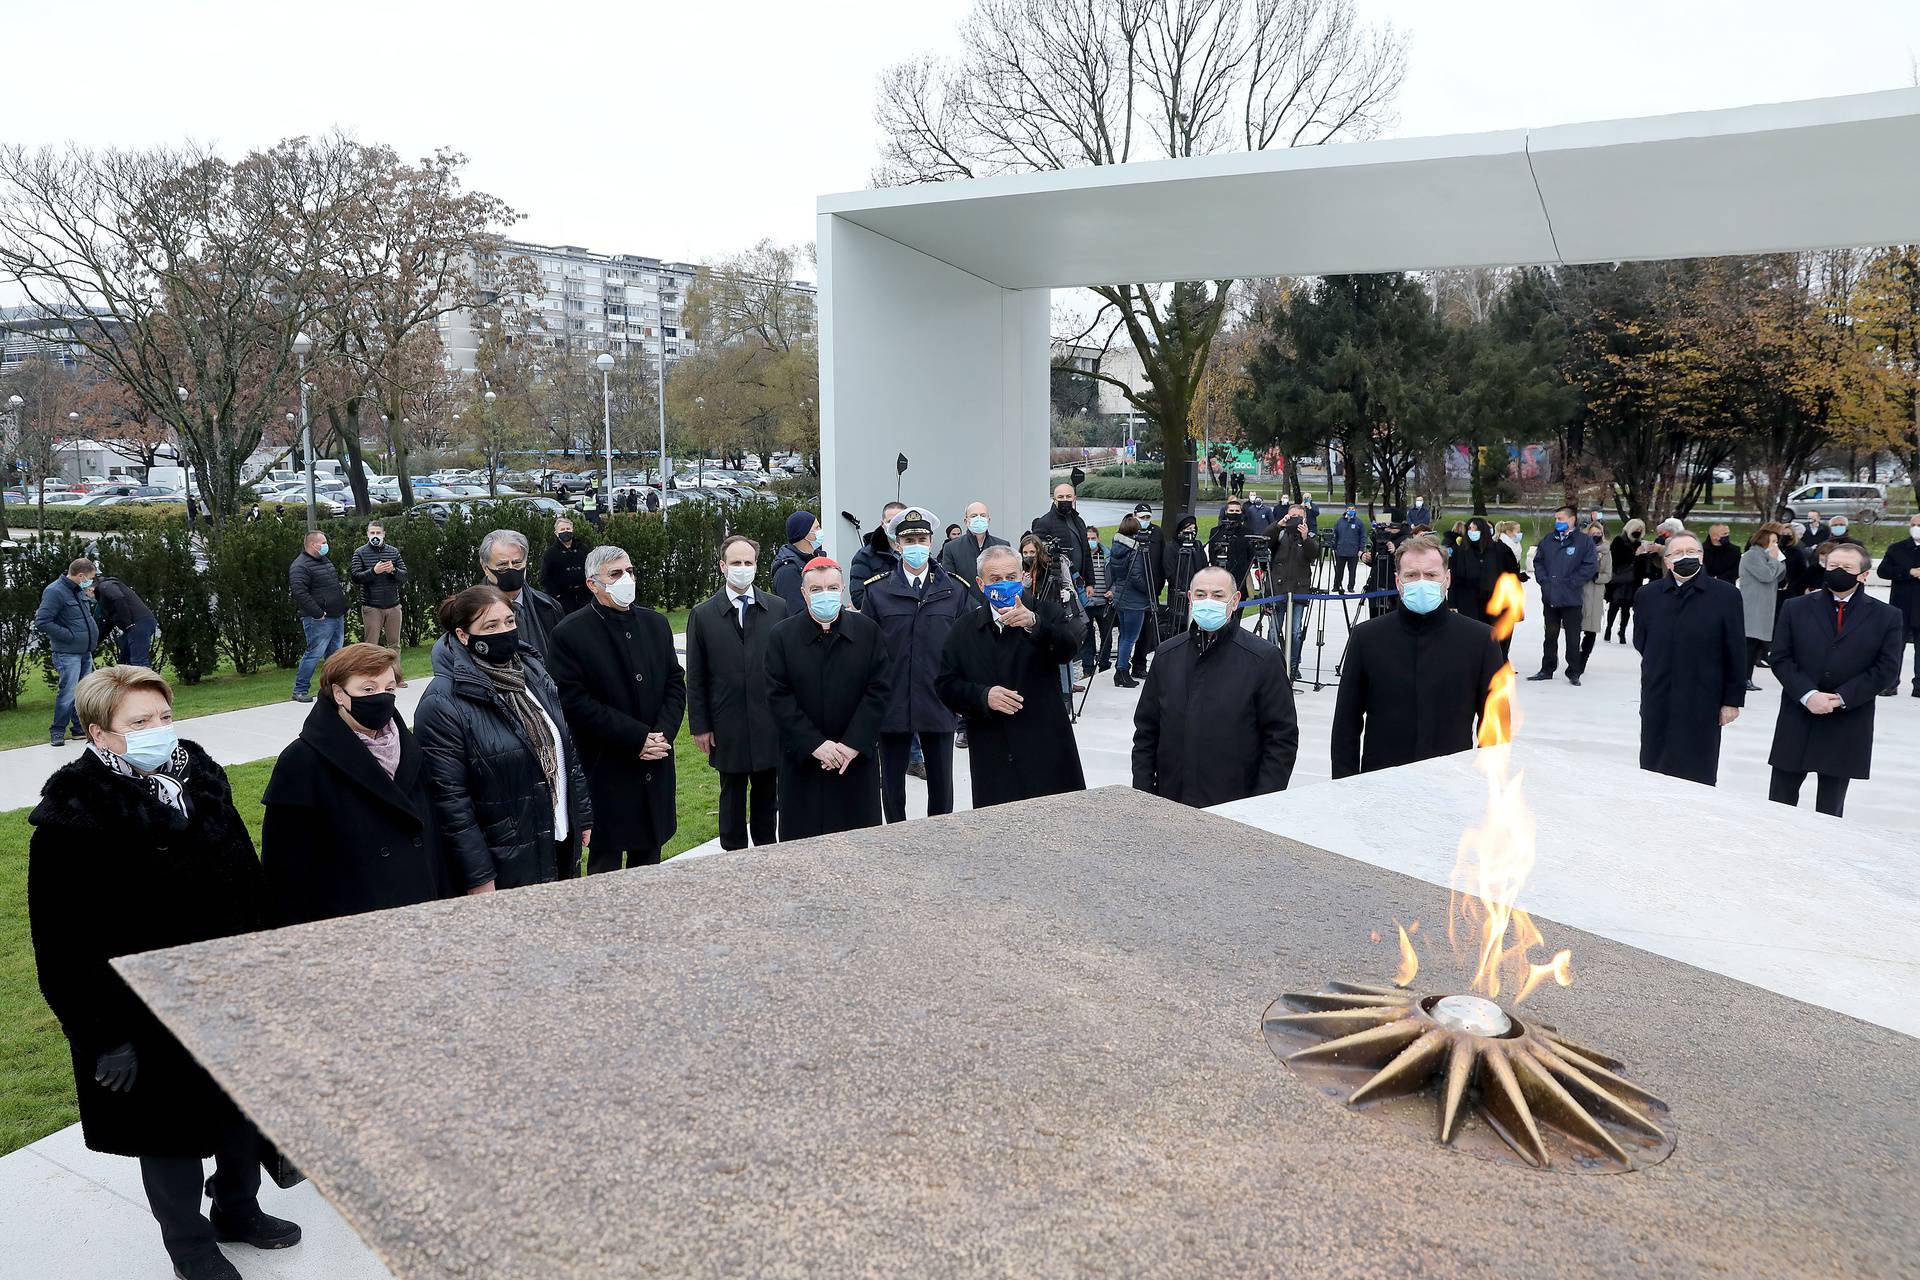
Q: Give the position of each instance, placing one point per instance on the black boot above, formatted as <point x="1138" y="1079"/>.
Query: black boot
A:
<point x="212" y="1265"/>
<point x="261" y="1230"/>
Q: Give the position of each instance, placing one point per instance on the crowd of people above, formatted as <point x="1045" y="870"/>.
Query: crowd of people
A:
<point x="543" y="748"/>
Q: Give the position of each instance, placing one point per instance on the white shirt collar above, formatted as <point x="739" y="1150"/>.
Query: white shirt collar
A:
<point x="735" y="597"/>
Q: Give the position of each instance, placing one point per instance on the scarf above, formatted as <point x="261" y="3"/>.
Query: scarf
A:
<point x="510" y="685"/>
<point x="165" y="784"/>
<point x="385" y="746"/>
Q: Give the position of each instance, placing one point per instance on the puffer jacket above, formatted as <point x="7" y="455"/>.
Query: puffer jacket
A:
<point x="65" y="618"/>
<point x="490" y="799"/>
<point x="377" y="590"/>
<point x="1128" y="570"/>
<point x="314" y="585"/>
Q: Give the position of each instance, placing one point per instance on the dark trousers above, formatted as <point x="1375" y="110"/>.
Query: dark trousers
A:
<point x="1345" y="570"/>
<point x="135" y="645"/>
<point x="1622" y="611"/>
<point x="1755" y="648"/>
<point x="748" y="808"/>
<point x="1912" y="641"/>
<point x="1559" y="618"/>
<point x="1829" y="797"/>
<point x="1586" y="646"/>
<point x="938" y="750"/>
<point x="1097" y="650"/>
<point x="606" y="858"/>
<point x="173" y="1191"/>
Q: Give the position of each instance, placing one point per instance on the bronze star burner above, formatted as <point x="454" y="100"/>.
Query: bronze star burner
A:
<point x="1495" y="1085"/>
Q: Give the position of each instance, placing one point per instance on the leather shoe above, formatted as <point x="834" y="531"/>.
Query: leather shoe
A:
<point x="1541" y="675"/>
<point x="1573" y="677"/>
<point x="303" y="697"/>
<point x="261" y="1230"/>
<point x="1889" y="693"/>
<point x="960" y="741"/>
<point x="916" y="770"/>
<point x="206" y="1266"/>
<point x="1752" y="687"/>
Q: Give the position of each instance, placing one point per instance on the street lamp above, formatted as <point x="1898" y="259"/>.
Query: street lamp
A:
<point x="493" y="459"/>
<point x="604" y="363"/>
<point x="302" y="344"/>
<point x="700" y="402"/>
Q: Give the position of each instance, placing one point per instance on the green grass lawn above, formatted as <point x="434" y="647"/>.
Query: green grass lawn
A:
<point x="36" y="1074"/>
<point x="27" y="723"/>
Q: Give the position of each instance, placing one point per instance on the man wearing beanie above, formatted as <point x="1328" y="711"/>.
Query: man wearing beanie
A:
<point x="803" y="542"/>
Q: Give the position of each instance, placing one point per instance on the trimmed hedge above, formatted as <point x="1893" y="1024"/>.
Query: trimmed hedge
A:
<point x="230" y="597"/>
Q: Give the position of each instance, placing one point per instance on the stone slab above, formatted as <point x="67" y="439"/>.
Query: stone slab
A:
<point x="1021" y="1041"/>
<point x="1786" y="899"/>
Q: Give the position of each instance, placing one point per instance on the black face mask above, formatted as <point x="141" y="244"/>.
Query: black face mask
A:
<point x="1686" y="566"/>
<point x="565" y="537"/>
<point x="1841" y="581"/>
<point x="498" y="648"/>
<point x="1063" y="508"/>
<point x="509" y="580"/>
<point x="371" y="710"/>
<point x="1233" y="517"/>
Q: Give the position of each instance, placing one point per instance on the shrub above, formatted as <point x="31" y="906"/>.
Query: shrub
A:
<point x="160" y="563"/>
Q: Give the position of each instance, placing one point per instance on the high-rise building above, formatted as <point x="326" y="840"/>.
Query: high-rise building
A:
<point x="591" y="302"/>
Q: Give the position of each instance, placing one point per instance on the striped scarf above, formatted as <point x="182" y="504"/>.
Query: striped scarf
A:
<point x="509" y="681"/>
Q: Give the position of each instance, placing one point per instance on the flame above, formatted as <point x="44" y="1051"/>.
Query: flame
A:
<point x="1504" y="608"/>
<point x="1409" y="959"/>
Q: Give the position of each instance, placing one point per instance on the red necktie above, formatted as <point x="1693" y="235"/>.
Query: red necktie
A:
<point x="1839" y="616"/>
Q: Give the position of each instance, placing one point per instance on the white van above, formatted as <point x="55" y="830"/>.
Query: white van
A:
<point x="1865" y="502"/>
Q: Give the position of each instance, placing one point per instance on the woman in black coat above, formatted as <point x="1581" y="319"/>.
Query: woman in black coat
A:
<point x="137" y="846"/>
<point x="1629" y="571"/>
<point x="508" y="794"/>
<point x="1475" y="568"/>
<point x="349" y="822"/>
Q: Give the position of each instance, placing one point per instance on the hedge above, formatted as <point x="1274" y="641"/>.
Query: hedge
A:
<point x="230" y="597"/>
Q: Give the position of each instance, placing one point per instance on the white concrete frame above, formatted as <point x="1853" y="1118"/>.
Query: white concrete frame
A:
<point x="934" y="300"/>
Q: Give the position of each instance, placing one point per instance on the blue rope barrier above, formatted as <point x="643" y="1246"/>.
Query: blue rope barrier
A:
<point x="1357" y="595"/>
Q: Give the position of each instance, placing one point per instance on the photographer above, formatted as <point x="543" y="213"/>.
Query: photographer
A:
<point x="1186" y="555"/>
<point x="1051" y="575"/>
<point x="1064" y="528"/>
<point x="1295" y="551"/>
<point x="1230" y="546"/>
<point x="1130" y="597"/>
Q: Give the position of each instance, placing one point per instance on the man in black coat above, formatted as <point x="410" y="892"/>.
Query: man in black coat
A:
<point x="624" y="695"/>
<point x="1833" y="651"/>
<point x="1230" y="545"/>
<point x="1901" y="567"/>
<point x="875" y="559"/>
<point x="827" y="672"/>
<point x="1062" y="525"/>
<point x="1690" y="629"/>
<point x="727" y="708"/>
<point x="1150" y="542"/>
<point x="1720" y="556"/>
<point x="1215" y="720"/>
<point x="1414" y="681"/>
<point x="563" y="568"/>
<point x="503" y="563"/>
<point x="1001" y="670"/>
<point x="961" y="556"/>
<point x="127" y="620"/>
<point x="916" y="606"/>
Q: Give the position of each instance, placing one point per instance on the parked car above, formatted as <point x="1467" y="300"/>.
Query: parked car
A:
<point x="1863" y="502"/>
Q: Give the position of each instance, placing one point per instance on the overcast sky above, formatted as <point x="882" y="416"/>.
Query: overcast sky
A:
<point x="690" y="130"/>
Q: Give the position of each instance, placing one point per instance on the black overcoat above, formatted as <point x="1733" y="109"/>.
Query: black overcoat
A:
<point x="563" y="574"/>
<point x="727" y="681"/>
<point x="1811" y="650"/>
<point x="341" y="837"/>
<point x="827" y="685"/>
<point x="916" y="629"/>
<point x="1473" y="571"/>
<point x="1031" y="752"/>
<point x="1692" y="641"/>
<point x="1215" y="726"/>
<point x="1897" y="567"/>
<point x="490" y="799"/>
<point x="1412" y="686"/>
<point x="620" y="680"/>
<point x="112" y="872"/>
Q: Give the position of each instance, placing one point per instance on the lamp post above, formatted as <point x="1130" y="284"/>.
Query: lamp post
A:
<point x="302" y="344"/>
<point x="662" y="368"/>
<point x="604" y="363"/>
<point x="700" y="402"/>
<point x="493" y="460"/>
<point x="13" y="419"/>
<point x="73" y="426"/>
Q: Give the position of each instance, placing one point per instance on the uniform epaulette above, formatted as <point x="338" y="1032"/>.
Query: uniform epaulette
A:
<point x="876" y="577"/>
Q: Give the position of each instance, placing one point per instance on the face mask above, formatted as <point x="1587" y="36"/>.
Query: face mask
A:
<point x="1003" y="595"/>
<point x="1209" y="615"/>
<point x="1561" y="526"/>
<point x="916" y="556"/>
<point x="1145" y="518"/>
<point x="497" y="648"/>
<point x="1686" y="566"/>
<point x="621" y="591"/>
<point x="565" y="535"/>
<point x="371" y="710"/>
<point x="1839" y="530"/>
<point x="976" y="524"/>
<point x="88" y="584"/>
<point x="1913" y="531"/>
<point x="509" y="580"/>
<point x="1473" y="535"/>
<point x="824" y="605"/>
<point x="1422" y="597"/>
<point x="1233" y="517"/>
<point x="740" y="576"/>
<point x="322" y="551"/>
<point x="374" y="539"/>
<point x="1064" y="508"/>
<point x="1599" y="539"/>
<point x="150" y="748"/>
<point x="1841" y="581"/>
<point x="1026" y="560"/>
<point x="1349" y="514"/>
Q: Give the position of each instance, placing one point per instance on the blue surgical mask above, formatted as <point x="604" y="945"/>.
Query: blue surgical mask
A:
<point x="916" y="556"/>
<point x="1422" y="597"/>
<point x="1473" y="535"/>
<point x="1561" y="526"/>
<point x="1839" y="530"/>
<point x="976" y="524"/>
<point x="824" y="605"/>
<point x="88" y="584"/>
<point x="150" y="748"/>
<point x="1004" y="595"/>
<point x="1209" y="615"/>
<point x="322" y="551"/>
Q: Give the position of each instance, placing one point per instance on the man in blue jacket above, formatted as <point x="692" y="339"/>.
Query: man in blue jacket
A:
<point x="1563" y="565"/>
<point x="1349" y="540"/>
<point x="65" y="620"/>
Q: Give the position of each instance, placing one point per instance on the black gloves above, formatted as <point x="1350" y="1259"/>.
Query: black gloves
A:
<point x="115" y="1069"/>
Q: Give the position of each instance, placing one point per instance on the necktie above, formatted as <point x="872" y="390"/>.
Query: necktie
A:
<point x="920" y="588"/>
<point x="743" y="614"/>
<point x="1839" y="616"/>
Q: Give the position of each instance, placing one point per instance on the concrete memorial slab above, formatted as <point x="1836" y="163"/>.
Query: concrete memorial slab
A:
<point x="1020" y="1041"/>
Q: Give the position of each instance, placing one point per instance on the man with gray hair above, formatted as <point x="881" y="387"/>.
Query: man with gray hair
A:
<point x="1690" y="629"/>
<point x="503" y="562"/>
<point x="624" y="696"/>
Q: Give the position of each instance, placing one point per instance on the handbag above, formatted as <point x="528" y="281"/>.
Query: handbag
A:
<point x="284" y="1172"/>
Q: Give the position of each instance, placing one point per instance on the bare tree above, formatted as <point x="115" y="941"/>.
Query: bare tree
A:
<point x="198" y="274"/>
<point x="1058" y="84"/>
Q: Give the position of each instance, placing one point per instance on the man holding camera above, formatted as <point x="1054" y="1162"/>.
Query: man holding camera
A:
<point x="1295" y="550"/>
<point x="1230" y="547"/>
